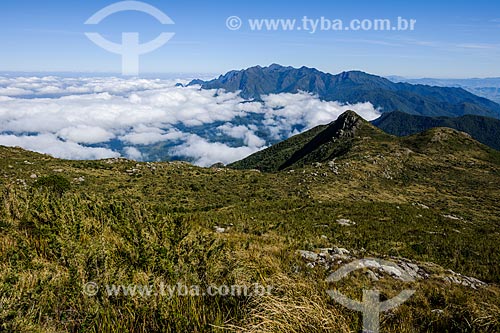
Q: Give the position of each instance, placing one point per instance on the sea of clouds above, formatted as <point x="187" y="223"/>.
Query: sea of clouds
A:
<point x="96" y="118"/>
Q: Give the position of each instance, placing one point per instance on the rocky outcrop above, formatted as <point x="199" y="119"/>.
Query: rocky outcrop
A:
<point x="334" y="257"/>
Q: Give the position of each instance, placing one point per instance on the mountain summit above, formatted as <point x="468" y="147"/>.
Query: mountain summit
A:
<point x="353" y="87"/>
<point x="319" y="144"/>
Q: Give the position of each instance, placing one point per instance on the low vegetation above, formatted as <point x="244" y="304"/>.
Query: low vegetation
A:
<point x="432" y="199"/>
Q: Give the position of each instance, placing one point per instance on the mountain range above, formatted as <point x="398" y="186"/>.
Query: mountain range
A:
<point x="488" y="87"/>
<point x="354" y="87"/>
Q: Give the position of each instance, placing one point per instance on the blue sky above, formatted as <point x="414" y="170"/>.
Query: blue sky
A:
<point x="453" y="39"/>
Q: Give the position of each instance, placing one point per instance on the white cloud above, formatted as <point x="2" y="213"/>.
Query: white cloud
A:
<point x="243" y="132"/>
<point x="39" y="86"/>
<point x="133" y="153"/>
<point x="50" y="144"/>
<point x="207" y="153"/>
<point x="145" y="135"/>
<point x="13" y="91"/>
<point x="86" y="134"/>
<point x="286" y="110"/>
<point x="62" y="115"/>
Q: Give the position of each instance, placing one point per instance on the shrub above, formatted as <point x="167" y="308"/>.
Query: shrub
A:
<point x="54" y="183"/>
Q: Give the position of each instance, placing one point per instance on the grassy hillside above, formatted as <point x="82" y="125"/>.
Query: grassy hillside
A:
<point x="431" y="199"/>
<point x="483" y="129"/>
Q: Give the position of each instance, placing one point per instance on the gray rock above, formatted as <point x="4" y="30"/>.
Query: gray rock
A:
<point x="345" y="222"/>
<point x="330" y="257"/>
<point x="308" y="255"/>
<point x="466" y="281"/>
<point x="79" y="179"/>
<point x="451" y="217"/>
<point x="392" y="271"/>
<point x="219" y="230"/>
<point x="437" y="311"/>
<point x="341" y="251"/>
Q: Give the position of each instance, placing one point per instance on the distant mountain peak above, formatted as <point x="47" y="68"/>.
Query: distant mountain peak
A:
<point x="274" y="67"/>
